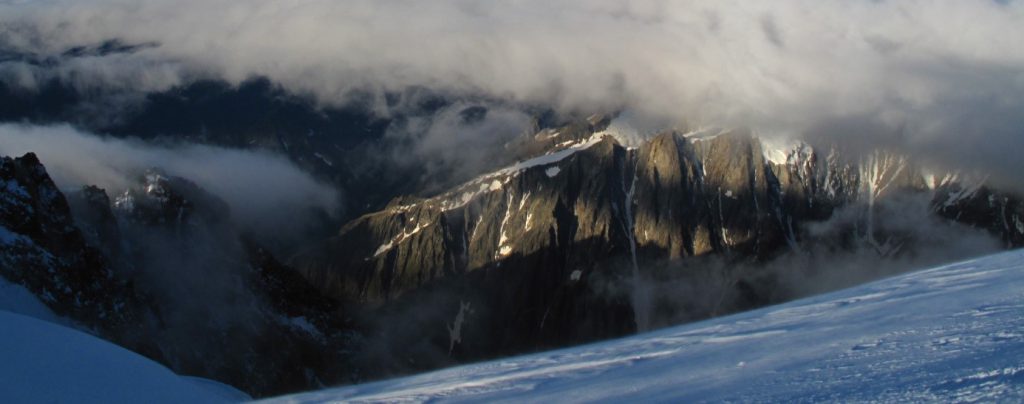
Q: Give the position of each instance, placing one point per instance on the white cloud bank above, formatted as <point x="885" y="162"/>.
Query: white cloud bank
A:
<point x="945" y="71"/>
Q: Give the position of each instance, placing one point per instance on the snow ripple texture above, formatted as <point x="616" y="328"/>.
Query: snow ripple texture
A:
<point x="953" y="333"/>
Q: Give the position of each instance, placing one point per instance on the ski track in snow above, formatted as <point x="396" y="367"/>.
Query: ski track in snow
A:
<point x="952" y="333"/>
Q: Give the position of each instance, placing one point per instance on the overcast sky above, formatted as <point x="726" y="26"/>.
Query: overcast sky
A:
<point x="943" y="73"/>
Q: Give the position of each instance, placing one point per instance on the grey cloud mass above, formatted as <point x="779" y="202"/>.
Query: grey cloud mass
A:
<point x="946" y="73"/>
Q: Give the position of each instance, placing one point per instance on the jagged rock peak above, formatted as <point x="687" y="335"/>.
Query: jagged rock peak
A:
<point x="160" y="198"/>
<point x="42" y="249"/>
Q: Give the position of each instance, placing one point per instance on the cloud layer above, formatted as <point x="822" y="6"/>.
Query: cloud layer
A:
<point x="941" y="72"/>
<point x="266" y="193"/>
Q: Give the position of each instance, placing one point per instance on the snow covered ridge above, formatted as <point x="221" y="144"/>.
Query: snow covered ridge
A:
<point x="485" y="184"/>
<point x="494" y="181"/>
<point x="952" y="333"/>
<point x="781" y="152"/>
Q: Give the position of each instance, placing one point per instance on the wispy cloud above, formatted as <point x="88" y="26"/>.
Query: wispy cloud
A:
<point x="267" y="194"/>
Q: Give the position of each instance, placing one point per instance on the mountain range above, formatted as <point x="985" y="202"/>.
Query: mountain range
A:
<point x="574" y="232"/>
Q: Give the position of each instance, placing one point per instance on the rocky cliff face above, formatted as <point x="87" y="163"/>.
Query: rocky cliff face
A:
<point x="698" y="196"/>
<point x="556" y="248"/>
<point x="41" y="248"/>
<point x="161" y="270"/>
<point x="972" y="201"/>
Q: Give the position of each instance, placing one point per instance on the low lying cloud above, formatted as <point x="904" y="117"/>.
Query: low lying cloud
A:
<point x="266" y="193"/>
<point x="456" y="142"/>
<point x="853" y="247"/>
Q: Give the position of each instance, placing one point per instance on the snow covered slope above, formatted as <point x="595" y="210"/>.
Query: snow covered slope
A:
<point x="953" y="333"/>
<point x="17" y="299"/>
<point x="41" y="362"/>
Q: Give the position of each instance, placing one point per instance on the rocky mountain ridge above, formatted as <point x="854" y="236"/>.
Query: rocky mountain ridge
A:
<point x="42" y="249"/>
<point x="561" y="248"/>
<point x="677" y="196"/>
<point x="583" y="238"/>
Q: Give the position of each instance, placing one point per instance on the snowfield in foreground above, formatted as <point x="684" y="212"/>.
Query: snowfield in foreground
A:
<point x="953" y="333"/>
<point x="43" y="360"/>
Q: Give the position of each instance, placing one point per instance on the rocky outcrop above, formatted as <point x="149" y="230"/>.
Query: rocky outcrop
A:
<point x="164" y="200"/>
<point x="699" y="196"/>
<point x="90" y="207"/>
<point x="231" y="311"/>
<point x="42" y="249"/>
<point x="162" y="270"/>
<point x="972" y="201"/>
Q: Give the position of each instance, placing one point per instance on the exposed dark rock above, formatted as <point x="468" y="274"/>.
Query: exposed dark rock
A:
<point x="188" y="290"/>
<point x="91" y="209"/>
<point x="41" y="248"/>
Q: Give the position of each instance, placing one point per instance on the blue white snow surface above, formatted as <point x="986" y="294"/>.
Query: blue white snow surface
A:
<point x="43" y="360"/>
<point x="953" y="333"/>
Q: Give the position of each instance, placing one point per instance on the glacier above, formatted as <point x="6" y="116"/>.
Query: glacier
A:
<point x="952" y="333"/>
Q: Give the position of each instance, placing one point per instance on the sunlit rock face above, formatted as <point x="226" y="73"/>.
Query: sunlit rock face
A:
<point x="555" y="248"/>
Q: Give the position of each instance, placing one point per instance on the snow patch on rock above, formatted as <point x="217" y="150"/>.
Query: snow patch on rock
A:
<point x="404" y="235"/>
